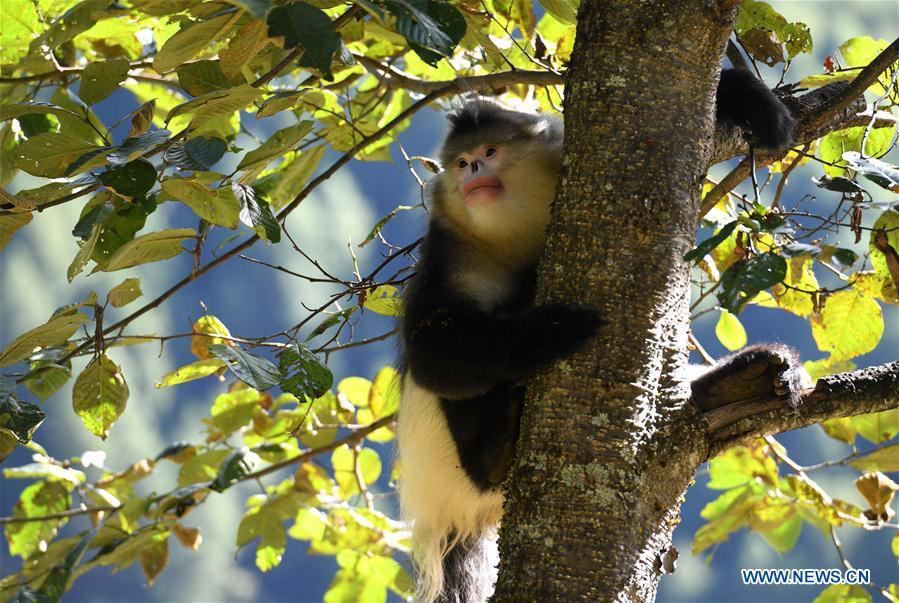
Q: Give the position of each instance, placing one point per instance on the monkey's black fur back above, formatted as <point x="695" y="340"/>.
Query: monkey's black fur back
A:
<point x="744" y="101"/>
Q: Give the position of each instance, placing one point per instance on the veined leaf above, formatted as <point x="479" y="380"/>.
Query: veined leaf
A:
<point x="54" y="332"/>
<point x="151" y="247"/>
<point x="219" y="207"/>
<point x="99" y="395"/>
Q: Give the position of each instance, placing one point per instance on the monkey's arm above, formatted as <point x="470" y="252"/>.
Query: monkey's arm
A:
<point x="458" y="351"/>
<point x="759" y="370"/>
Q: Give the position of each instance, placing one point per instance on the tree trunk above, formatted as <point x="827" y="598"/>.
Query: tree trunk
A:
<point x="609" y="441"/>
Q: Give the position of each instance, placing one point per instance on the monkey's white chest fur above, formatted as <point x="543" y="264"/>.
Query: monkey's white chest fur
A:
<point x="435" y="492"/>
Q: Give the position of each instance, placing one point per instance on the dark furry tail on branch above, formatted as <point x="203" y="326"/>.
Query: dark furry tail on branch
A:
<point x="745" y="101"/>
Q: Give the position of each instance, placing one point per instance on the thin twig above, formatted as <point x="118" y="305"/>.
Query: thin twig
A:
<point x="60" y="515"/>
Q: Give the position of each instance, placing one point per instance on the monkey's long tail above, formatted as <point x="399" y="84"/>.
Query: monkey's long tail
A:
<point x="466" y="573"/>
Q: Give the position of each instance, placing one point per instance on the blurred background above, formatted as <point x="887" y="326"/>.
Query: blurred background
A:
<point x="253" y="300"/>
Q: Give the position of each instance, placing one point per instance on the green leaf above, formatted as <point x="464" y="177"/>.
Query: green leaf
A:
<point x="84" y="254"/>
<point x="201" y="77"/>
<point x="784" y="537"/>
<point x="10" y="223"/>
<point x="432" y="27"/>
<point x="834" y="145"/>
<point x="304" y="25"/>
<point x="74" y="21"/>
<point x="135" y="146"/>
<point x="22" y="109"/>
<point x="563" y="10"/>
<point x="189" y="41"/>
<point x="124" y="293"/>
<point x="744" y="280"/>
<point x="295" y="176"/>
<point x="197" y="154"/>
<point x="235" y="468"/>
<point x="37" y="123"/>
<point x="311" y="524"/>
<point x="279" y="101"/>
<point x="267" y="525"/>
<point x="234" y="410"/>
<point x="18" y="416"/>
<point x="709" y="244"/>
<point x="877" y="427"/>
<point x="72" y="477"/>
<point x="384" y="299"/>
<point x="843" y="593"/>
<point x="886" y="226"/>
<point x="376" y="229"/>
<point x="190" y="372"/>
<point x="849" y="324"/>
<point x="131" y="180"/>
<point x="839" y="184"/>
<point x="840" y="429"/>
<point x="99" y="80"/>
<point x="344" y="463"/>
<point x="202" y="467"/>
<point x="255" y="211"/>
<point x="330" y="321"/>
<point x="76" y="125"/>
<point x="46" y="377"/>
<point x="54" y="332"/>
<point x="884" y="459"/>
<point x="120" y="226"/>
<point x="384" y="397"/>
<point x="730" y="331"/>
<point x="249" y="40"/>
<point x="281" y="141"/>
<point x="37" y="500"/>
<point x="356" y="390"/>
<point x="221" y="103"/>
<point x="99" y="395"/>
<point x="49" y="154"/>
<point x="860" y="51"/>
<point x="20" y="25"/>
<point x="255" y="371"/>
<point x="302" y="373"/>
<point x="219" y="207"/>
<point x="92" y="159"/>
<point x="85" y="225"/>
<point x="154" y="557"/>
<point x="151" y="247"/>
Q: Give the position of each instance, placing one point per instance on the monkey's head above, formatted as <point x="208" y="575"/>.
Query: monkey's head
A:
<point x="499" y="172"/>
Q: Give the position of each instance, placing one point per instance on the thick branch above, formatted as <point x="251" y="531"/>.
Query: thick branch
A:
<point x="856" y="88"/>
<point x="859" y="392"/>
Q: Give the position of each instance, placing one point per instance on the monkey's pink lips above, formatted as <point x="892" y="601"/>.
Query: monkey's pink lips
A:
<point x="483" y="187"/>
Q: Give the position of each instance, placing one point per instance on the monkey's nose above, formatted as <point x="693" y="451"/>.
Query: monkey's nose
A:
<point x="474" y="167"/>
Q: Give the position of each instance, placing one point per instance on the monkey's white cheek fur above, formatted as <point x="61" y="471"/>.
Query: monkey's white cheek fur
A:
<point x="435" y="492"/>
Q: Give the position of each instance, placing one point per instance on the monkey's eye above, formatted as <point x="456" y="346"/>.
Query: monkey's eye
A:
<point x="490" y="151"/>
<point x="462" y="163"/>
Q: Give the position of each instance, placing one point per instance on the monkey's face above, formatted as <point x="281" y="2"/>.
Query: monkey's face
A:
<point x="476" y="174"/>
<point x="499" y="192"/>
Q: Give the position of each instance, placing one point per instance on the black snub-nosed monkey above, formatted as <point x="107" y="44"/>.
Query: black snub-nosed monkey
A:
<point x="472" y="332"/>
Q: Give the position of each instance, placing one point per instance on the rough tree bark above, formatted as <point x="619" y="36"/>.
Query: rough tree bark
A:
<point x="609" y="439"/>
